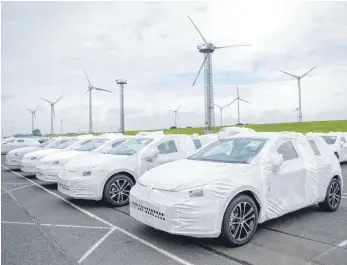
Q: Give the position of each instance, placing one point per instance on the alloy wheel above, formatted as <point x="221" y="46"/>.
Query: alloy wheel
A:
<point x="119" y="190"/>
<point x="242" y="221"/>
<point x="334" y="196"/>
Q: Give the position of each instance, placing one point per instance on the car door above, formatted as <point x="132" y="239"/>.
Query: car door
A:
<point x="285" y="190"/>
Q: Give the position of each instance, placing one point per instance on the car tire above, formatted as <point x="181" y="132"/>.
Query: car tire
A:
<point x="117" y="190"/>
<point x="240" y="221"/>
<point x="332" y="197"/>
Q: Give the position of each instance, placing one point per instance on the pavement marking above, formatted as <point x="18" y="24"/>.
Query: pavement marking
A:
<point x="12" y="183"/>
<point x="21" y="187"/>
<point x="90" y="250"/>
<point x="57" y="225"/>
<point x="112" y="227"/>
<point x="319" y="257"/>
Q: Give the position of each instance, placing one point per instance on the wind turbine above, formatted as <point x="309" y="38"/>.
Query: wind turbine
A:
<point x="52" y="112"/>
<point x="207" y="49"/>
<point x="90" y="88"/>
<point x="33" y="116"/>
<point x="175" y="111"/>
<point x="121" y="83"/>
<point x="238" y="103"/>
<point x="221" y="110"/>
<point x="299" y="77"/>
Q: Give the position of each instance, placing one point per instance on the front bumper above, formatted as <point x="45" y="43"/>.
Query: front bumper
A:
<point x="74" y="185"/>
<point x="174" y="212"/>
<point x="47" y="173"/>
<point x="28" y="166"/>
<point x="12" y="162"/>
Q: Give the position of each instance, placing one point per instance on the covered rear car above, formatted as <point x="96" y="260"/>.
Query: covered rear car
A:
<point x="231" y="185"/>
<point x="15" y="143"/>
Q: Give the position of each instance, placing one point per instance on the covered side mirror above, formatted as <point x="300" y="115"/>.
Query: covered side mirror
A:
<point x="276" y="160"/>
<point x="151" y="155"/>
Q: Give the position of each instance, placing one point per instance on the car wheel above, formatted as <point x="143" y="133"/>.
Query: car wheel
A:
<point x="117" y="190"/>
<point x="332" y="197"/>
<point x="240" y="221"/>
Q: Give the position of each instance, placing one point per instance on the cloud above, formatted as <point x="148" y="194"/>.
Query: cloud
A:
<point x="45" y="44"/>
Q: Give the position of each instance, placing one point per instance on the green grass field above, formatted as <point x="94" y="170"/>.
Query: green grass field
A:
<point x="304" y="127"/>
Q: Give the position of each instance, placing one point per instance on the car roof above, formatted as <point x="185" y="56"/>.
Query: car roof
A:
<point x="265" y="135"/>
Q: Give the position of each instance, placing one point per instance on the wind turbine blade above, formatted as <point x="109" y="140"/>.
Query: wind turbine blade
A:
<point x="237" y="90"/>
<point x="85" y="93"/>
<point x="58" y="100"/>
<point x="171" y="110"/>
<point x="217" y="105"/>
<point x="36" y="107"/>
<point x="85" y="73"/>
<point x="245" y="100"/>
<point x="29" y="110"/>
<point x="230" y="46"/>
<point x="100" y="89"/>
<point x="178" y="108"/>
<point x="197" y="30"/>
<point x="295" y="76"/>
<point x="307" y="72"/>
<point x="203" y="63"/>
<point x="47" y="101"/>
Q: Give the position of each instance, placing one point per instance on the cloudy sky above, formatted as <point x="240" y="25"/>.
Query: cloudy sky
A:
<point x="153" y="46"/>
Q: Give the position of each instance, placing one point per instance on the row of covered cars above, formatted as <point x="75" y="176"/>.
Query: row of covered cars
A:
<point x="201" y="186"/>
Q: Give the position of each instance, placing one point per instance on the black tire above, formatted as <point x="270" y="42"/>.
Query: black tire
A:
<point x="117" y="190"/>
<point x="332" y="197"/>
<point x="231" y="232"/>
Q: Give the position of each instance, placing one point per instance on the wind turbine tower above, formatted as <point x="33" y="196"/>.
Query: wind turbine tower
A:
<point x="207" y="49"/>
<point x="175" y="111"/>
<point x="90" y="88"/>
<point x="221" y="110"/>
<point x="121" y="83"/>
<point x="33" y="116"/>
<point x="238" y="104"/>
<point x="299" y="77"/>
<point x="52" y="112"/>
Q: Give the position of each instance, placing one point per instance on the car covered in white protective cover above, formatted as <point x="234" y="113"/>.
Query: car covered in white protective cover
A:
<point x="29" y="161"/>
<point x="14" y="157"/>
<point x="15" y="143"/>
<point x="227" y="131"/>
<point x="337" y="141"/>
<point x="235" y="183"/>
<point x="111" y="176"/>
<point x="48" y="168"/>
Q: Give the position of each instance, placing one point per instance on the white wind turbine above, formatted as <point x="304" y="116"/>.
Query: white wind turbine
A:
<point x="238" y="103"/>
<point x="90" y="88"/>
<point x="207" y="49"/>
<point x="221" y="110"/>
<point x="299" y="77"/>
<point x="52" y="112"/>
<point x="175" y="111"/>
<point x="33" y="116"/>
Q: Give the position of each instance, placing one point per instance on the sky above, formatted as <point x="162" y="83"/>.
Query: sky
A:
<point x="154" y="46"/>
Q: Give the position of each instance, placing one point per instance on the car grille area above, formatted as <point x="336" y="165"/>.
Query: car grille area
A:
<point x="148" y="210"/>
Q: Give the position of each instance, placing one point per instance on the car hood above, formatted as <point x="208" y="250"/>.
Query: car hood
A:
<point x="94" y="160"/>
<point x="184" y="174"/>
<point x="24" y="150"/>
<point x="42" y="153"/>
<point x="61" y="155"/>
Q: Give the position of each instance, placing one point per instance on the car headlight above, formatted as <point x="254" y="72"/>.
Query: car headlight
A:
<point x="196" y="193"/>
<point x="86" y="173"/>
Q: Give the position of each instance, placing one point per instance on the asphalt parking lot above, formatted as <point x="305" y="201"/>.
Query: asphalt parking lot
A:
<point x="41" y="226"/>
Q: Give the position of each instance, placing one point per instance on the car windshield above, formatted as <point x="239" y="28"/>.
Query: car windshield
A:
<point x="43" y="144"/>
<point x="329" y="139"/>
<point x="66" y="144"/>
<point x="236" y="150"/>
<point x="130" y="147"/>
<point x="8" y="141"/>
<point x="93" y="144"/>
<point x="54" y="143"/>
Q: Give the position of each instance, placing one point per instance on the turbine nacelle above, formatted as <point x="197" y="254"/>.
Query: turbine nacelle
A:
<point x="206" y="48"/>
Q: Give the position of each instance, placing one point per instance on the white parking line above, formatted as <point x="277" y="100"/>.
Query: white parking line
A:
<point x="12" y="183"/>
<point x="21" y="187"/>
<point x="113" y="227"/>
<point x="57" y="225"/>
<point x="319" y="257"/>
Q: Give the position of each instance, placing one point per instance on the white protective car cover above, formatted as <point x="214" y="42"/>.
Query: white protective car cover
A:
<point x="161" y="196"/>
<point x="141" y="133"/>
<point x="227" y="131"/>
<point x="7" y="147"/>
